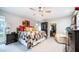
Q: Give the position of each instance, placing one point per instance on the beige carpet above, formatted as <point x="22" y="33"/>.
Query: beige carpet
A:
<point x="49" y="45"/>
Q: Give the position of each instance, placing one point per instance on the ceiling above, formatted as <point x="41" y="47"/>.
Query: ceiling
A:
<point x="26" y="12"/>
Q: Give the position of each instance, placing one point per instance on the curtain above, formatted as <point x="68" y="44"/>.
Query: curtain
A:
<point x="2" y="30"/>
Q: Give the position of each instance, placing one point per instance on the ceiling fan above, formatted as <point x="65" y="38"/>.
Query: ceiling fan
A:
<point x="41" y="10"/>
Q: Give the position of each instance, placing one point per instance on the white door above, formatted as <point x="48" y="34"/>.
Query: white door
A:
<point x="2" y="30"/>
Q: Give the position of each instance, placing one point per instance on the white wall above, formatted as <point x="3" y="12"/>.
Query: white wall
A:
<point x="61" y="24"/>
<point x="14" y="21"/>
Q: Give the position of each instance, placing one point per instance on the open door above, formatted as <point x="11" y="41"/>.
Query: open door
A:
<point x="53" y="30"/>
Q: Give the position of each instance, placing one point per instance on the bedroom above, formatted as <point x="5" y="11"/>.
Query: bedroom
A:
<point x="36" y="29"/>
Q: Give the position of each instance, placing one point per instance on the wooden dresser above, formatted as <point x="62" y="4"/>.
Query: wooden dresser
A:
<point x="74" y="44"/>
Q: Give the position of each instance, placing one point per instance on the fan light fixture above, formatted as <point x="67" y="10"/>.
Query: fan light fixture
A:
<point x="42" y="11"/>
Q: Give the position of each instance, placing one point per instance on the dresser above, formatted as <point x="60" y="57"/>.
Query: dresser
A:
<point x="11" y="38"/>
<point x="74" y="41"/>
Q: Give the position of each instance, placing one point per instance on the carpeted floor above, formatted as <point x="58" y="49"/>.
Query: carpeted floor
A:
<point x="49" y="45"/>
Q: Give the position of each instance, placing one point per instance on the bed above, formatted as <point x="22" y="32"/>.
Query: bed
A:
<point x="31" y="39"/>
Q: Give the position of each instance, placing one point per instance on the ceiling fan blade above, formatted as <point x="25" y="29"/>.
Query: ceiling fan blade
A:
<point x="32" y="9"/>
<point x="48" y="11"/>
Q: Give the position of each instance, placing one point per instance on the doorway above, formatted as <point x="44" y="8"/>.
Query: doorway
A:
<point x="53" y="30"/>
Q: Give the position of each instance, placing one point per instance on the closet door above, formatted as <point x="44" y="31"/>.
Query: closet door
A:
<point x="2" y="30"/>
